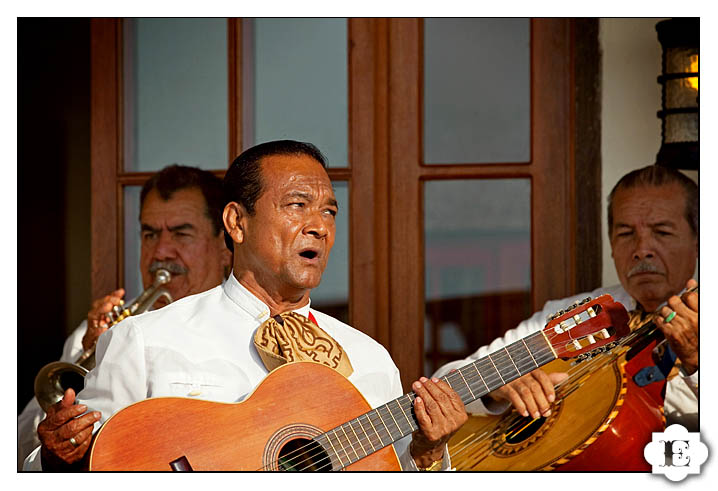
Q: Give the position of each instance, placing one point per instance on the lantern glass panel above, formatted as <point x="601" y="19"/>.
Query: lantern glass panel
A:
<point x="679" y="93"/>
<point x="681" y="60"/>
<point x="681" y="128"/>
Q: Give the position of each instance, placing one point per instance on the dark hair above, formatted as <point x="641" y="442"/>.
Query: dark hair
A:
<point x="243" y="181"/>
<point x="655" y="176"/>
<point x="175" y="177"/>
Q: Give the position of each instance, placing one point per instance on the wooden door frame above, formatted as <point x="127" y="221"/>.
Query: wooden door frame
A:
<point x="105" y="154"/>
<point x="551" y="169"/>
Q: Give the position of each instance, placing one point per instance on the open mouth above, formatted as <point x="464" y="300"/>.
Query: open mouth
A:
<point x="309" y="254"/>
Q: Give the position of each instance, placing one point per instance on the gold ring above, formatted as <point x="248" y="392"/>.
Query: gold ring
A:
<point x="73" y="442"/>
<point x="670" y="317"/>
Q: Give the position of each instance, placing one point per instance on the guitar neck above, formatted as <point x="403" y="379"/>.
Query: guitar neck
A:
<point x="386" y="424"/>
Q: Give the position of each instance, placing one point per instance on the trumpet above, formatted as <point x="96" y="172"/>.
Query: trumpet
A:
<point x="55" y="378"/>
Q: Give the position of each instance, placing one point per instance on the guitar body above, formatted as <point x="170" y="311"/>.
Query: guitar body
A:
<point x="245" y="436"/>
<point x="619" y="447"/>
<point x="603" y="425"/>
<point x="306" y="416"/>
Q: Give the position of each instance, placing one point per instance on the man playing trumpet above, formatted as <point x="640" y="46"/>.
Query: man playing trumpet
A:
<point x="182" y="232"/>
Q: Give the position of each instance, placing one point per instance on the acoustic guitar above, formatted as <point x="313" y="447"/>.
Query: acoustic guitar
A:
<point x="296" y="418"/>
<point x="601" y="420"/>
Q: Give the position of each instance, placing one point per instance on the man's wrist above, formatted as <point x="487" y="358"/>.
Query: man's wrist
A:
<point x="428" y="459"/>
<point x="687" y="370"/>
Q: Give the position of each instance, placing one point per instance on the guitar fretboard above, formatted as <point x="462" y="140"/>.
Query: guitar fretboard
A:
<point x="386" y="424"/>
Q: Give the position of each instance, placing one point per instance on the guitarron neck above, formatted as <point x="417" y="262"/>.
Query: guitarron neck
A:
<point x="372" y="431"/>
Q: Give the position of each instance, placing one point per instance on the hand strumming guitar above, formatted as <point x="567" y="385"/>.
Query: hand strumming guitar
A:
<point x="531" y="394"/>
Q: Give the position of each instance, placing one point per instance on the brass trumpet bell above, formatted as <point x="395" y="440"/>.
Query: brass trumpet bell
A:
<point x="55" y="378"/>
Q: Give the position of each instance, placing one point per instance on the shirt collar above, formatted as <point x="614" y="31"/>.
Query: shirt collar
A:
<point x="248" y="302"/>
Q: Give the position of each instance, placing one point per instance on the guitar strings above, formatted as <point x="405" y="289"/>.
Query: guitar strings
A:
<point x="308" y="460"/>
<point x="302" y="452"/>
<point x="303" y="456"/>
<point x="575" y="380"/>
<point x="577" y="376"/>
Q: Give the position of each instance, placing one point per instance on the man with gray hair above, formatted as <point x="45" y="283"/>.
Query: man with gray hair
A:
<point x="653" y="230"/>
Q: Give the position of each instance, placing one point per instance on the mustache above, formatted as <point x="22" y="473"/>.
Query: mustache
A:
<point x="644" y="267"/>
<point x="173" y="268"/>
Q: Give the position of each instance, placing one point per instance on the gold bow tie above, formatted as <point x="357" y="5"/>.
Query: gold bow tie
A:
<point x="292" y="337"/>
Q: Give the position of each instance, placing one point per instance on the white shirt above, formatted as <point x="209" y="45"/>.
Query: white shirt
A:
<point x="681" y="402"/>
<point x="201" y="347"/>
<point x="31" y="416"/>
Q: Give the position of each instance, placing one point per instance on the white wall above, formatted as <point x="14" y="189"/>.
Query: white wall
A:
<point x="631" y="96"/>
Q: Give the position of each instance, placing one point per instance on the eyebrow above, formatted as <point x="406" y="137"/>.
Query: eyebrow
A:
<point x="664" y="223"/>
<point x="177" y="228"/>
<point x="300" y="194"/>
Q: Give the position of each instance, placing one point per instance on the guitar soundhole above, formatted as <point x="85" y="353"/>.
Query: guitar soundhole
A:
<point x="516" y="434"/>
<point x="523" y="429"/>
<point x="303" y="455"/>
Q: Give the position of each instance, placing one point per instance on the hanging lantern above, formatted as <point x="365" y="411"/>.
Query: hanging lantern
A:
<point x="679" y="39"/>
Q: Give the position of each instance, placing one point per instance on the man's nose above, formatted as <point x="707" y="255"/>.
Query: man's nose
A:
<point x="644" y="246"/>
<point x="316" y="225"/>
<point x="165" y="247"/>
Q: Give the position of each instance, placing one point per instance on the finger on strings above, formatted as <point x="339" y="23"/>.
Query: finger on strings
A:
<point x="540" y="397"/>
<point x="422" y="415"/>
<point x="529" y="391"/>
<point x="439" y="391"/>
<point x="516" y="400"/>
<point x="546" y="384"/>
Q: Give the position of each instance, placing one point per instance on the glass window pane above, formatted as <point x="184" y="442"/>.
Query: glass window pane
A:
<point x="133" y="279"/>
<point x="332" y="294"/>
<point x="476" y="91"/>
<point x="175" y="93"/>
<point x="300" y="84"/>
<point x="477" y="242"/>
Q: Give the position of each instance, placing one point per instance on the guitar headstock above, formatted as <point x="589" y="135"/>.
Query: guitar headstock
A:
<point x="586" y="326"/>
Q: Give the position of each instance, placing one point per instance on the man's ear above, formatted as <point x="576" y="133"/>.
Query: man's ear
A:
<point x="233" y="218"/>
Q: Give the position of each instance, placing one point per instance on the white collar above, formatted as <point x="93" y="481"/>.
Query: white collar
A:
<point x="248" y="302"/>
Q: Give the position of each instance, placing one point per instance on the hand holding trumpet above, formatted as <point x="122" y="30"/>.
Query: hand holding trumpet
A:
<point x="66" y="433"/>
<point x="97" y="319"/>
